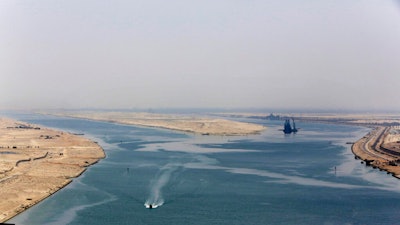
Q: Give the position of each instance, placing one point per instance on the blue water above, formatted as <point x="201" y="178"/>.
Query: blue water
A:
<point x="307" y="178"/>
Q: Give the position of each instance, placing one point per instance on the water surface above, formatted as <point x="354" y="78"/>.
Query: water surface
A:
<point x="307" y="178"/>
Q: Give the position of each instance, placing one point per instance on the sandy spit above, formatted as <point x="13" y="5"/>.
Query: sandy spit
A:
<point x="192" y="124"/>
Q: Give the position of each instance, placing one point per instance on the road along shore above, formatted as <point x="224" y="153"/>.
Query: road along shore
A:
<point x="380" y="149"/>
<point x="35" y="162"/>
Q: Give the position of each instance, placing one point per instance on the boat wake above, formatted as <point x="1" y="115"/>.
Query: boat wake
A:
<point x="149" y="205"/>
<point x="155" y="198"/>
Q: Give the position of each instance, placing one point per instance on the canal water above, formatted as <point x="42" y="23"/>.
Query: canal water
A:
<point x="306" y="178"/>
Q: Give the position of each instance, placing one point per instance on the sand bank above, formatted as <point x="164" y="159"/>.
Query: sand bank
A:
<point x="35" y="162"/>
<point x="200" y="125"/>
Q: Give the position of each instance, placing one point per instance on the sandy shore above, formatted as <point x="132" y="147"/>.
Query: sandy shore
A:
<point x="205" y="126"/>
<point x="35" y="162"/>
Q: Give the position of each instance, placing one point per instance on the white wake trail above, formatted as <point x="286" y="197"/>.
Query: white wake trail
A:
<point x="155" y="198"/>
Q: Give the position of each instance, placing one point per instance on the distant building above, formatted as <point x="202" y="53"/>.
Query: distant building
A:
<point x="273" y="117"/>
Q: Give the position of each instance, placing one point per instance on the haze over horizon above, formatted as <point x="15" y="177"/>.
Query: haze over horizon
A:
<point x="285" y="54"/>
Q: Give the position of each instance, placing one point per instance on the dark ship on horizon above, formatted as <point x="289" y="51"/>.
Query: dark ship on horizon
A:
<point x="288" y="129"/>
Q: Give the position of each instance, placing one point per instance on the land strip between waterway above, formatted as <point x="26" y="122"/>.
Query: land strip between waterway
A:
<point x="36" y="162"/>
<point x="184" y="123"/>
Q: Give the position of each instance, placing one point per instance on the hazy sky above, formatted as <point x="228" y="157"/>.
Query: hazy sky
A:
<point x="336" y="54"/>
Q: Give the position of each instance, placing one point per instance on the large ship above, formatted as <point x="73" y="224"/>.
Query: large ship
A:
<point x="287" y="128"/>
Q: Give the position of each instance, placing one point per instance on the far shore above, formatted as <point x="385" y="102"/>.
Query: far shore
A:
<point x="36" y="162"/>
<point x="184" y="123"/>
<point x="357" y="119"/>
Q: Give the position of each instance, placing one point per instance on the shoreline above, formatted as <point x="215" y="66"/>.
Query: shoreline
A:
<point x="37" y="162"/>
<point x="376" y="150"/>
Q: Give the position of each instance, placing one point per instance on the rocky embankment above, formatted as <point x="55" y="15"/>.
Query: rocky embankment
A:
<point x="380" y="149"/>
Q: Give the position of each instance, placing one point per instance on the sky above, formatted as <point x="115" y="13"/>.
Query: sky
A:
<point x="281" y="54"/>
